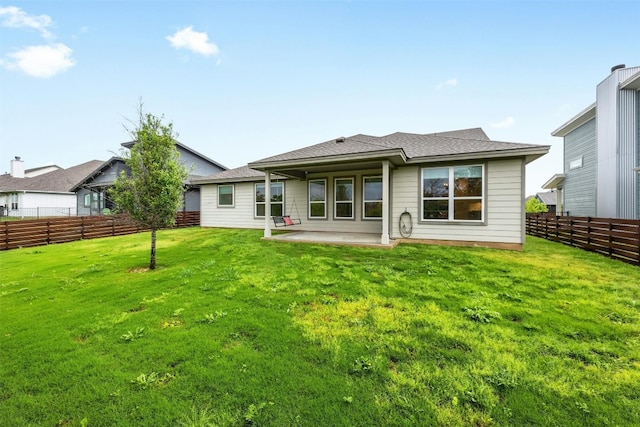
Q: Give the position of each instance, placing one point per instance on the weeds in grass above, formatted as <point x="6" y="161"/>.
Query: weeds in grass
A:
<point x="202" y="417"/>
<point x="481" y="314"/>
<point x="145" y="381"/>
<point x="130" y="336"/>
<point x="213" y="317"/>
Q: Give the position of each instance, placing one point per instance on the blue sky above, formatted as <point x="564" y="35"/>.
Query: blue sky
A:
<point x="243" y="80"/>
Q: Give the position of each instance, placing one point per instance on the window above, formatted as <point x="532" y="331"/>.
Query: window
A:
<point x="277" y="199"/>
<point x="14" y="201"/>
<point x="343" y="198"/>
<point x="575" y="164"/>
<point x="464" y="203"/>
<point x="318" y="198"/>
<point x="87" y="200"/>
<point x="372" y="199"/>
<point x="225" y="195"/>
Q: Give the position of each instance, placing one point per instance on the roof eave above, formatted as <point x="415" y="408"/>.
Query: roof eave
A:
<point x="228" y="180"/>
<point x="530" y="154"/>
<point x="554" y="182"/>
<point x="578" y="120"/>
<point x="396" y="156"/>
<point x="632" y="83"/>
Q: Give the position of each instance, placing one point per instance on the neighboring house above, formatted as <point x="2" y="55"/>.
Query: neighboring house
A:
<point x="92" y="192"/>
<point x="549" y="198"/>
<point x="47" y="194"/>
<point x="30" y="173"/>
<point x="458" y="186"/>
<point x="602" y="152"/>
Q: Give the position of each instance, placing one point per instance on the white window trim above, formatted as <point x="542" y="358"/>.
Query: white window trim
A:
<point x="451" y="199"/>
<point x="233" y="195"/>
<point x="335" y="201"/>
<point x="255" y="202"/>
<point x="364" y="201"/>
<point x="324" y="181"/>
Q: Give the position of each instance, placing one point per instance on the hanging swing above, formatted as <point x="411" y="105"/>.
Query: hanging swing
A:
<point x="286" y="220"/>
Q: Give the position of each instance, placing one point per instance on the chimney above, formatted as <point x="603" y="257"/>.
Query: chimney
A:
<point x="617" y="67"/>
<point x="17" y="168"/>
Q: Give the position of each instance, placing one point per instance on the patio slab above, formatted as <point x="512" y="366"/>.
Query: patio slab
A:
<point x="333" y="238"/>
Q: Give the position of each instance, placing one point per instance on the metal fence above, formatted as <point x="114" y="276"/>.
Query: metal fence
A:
<point x="615" y="238"/>
<point x="7" y="214"/>
<point x="38" y="232"/>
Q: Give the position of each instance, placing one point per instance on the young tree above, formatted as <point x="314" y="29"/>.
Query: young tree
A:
<point x="152" y="192"/>
<point x="534" y="205"/>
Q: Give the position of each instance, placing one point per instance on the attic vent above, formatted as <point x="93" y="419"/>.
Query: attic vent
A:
<point x="341" y="139"/>
<point x="617" y="67"/>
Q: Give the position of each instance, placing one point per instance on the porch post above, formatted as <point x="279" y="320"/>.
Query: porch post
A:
<point x="267" y="203"/>
<point x="385" y="203"/>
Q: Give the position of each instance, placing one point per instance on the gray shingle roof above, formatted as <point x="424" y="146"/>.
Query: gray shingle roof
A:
<point x="243" y="173"/>
<point x="61" y="180"/>
<point x="548" y="197"/>
<point x="466" y="141"/>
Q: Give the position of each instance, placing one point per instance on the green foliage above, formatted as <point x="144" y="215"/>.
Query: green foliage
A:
<point x="152" y="191"/>
<point x="261" y="333"/>
<point x="534" y="205"/>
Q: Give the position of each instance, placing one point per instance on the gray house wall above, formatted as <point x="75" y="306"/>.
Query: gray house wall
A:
<point x="617" y="147"/>
<point x="196" y="165"/>
<point x="580" y="183"/>
<point x="100" y="182"/>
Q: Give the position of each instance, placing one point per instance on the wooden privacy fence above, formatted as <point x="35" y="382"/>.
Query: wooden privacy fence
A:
<point x="38" y="232"/>
<point x="615" y="238"/>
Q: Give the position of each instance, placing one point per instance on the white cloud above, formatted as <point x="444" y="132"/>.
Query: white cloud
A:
<point x="193" y="41"/>
<point x="42" y="61"/>
<point x="14" y="17"/>
<point x="508" y="122"/>
<point x="448" y="83"/>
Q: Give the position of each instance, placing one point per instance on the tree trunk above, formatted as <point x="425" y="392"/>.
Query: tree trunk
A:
<point x="152" y="264"/>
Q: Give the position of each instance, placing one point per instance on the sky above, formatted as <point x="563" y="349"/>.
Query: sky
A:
<point x="241" y="80"/>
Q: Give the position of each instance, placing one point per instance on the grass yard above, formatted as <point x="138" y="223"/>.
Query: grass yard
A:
<point x="234" y="331"/>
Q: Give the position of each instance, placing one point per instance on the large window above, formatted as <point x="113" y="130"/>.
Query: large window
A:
<point x="277" y="199"/>
<point x="343" y="198"/>
<point x="453" y="193"/>
<point x="225" y="195"/>
<point x="372" y="199"/>
<point x="318" y="198"/>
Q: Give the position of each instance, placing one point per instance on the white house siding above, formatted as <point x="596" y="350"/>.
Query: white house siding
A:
<point x="44" y="204"/>
<point x="504" y="202"/>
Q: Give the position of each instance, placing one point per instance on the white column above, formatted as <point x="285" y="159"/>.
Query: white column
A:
<point x="267" y="203"/>
<point x="385" y="203"/>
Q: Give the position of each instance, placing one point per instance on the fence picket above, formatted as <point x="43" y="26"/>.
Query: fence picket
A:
<point x="26" y="233"/>
<point x="616" y="238"/>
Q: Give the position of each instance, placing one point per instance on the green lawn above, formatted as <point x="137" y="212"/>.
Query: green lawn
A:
<point x="234" y="331"/>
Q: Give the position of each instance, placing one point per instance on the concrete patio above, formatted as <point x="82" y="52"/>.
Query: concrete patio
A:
<point x="333" y="238"/>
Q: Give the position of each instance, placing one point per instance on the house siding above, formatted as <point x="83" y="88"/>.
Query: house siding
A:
<point x="296" y="205"/>
<point x="580" y="183"/>
<point x="616" y="146"/>
<point x="627" y="197"/>
<point x="504" y="202"/>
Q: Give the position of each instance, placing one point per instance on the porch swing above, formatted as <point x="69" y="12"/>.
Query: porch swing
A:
<point x="286" y="220"/>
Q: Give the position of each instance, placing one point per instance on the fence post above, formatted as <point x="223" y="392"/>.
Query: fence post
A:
<point x="82" y="227"/>
<point x="48" y="231"/>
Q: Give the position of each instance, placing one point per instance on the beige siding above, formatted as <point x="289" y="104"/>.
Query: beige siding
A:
<point x="296" y="205"/>
<point x="504" y="206"/>
<point x="238" y="216"/>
